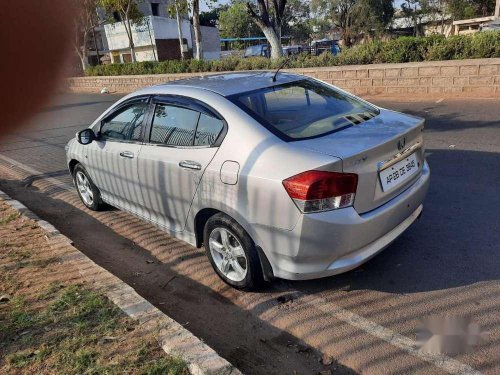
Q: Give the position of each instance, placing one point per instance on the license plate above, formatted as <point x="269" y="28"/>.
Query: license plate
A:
<point x="399" y="172"/>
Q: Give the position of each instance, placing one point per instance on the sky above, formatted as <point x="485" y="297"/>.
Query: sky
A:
<point x="204" y="7"/>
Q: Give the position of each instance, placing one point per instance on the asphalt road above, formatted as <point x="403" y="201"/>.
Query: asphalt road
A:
<point x="447" y="263"/>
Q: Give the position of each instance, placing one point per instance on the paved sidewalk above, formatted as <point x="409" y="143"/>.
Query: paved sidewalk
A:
<point x="175" y="340"/>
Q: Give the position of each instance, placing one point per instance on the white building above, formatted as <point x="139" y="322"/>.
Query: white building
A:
<point x="157" y="38"/>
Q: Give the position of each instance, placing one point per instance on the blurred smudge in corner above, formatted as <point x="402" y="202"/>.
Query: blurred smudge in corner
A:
<point x="450" y="335"/>
<point x="36" y="44"/>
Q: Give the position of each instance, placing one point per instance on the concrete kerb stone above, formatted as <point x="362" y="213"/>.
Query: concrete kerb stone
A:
<point x="174" y="339"/>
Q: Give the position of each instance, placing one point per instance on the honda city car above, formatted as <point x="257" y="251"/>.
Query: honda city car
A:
<point x="276" y="175"/>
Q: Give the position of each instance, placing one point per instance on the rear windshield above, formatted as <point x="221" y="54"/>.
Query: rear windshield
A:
<point x="303" y="109"/>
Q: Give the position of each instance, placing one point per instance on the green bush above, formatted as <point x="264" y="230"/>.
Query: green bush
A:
<point x="455" y="48"/>
<point x="400" y="50"/>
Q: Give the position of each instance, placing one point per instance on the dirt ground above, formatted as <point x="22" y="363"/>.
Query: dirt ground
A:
<point x="51" y="322"/>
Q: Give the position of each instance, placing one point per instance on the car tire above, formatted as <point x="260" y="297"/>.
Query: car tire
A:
<point x="242" y="253"/>
<point x="87" y="191"/>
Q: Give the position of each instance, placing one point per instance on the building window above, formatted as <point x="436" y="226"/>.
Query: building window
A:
<point x="126" y="57"/>
<point x="116" y="16"/>
<point x="155" y="8"/>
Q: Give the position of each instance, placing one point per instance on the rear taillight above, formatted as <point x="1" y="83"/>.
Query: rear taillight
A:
<point x="316" y="191"/>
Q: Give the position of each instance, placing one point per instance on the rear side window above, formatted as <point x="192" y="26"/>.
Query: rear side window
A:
<point x="174" y="126"/>
<point x="208" y="130"/>
<point x="126" y="124"/>
<point x="303" y="109"/>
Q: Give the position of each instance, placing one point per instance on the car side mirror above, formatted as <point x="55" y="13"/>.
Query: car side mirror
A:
<point x="85" y="136"/>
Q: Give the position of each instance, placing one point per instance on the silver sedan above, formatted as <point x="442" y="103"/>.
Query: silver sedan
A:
<point x="275" y="175"/>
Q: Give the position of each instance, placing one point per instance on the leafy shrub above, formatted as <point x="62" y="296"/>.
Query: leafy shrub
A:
<point x="485" y="44"/>
<point x="455" y="48"/>
<point x="400" y="50"/>
<point x="404" y="49"/>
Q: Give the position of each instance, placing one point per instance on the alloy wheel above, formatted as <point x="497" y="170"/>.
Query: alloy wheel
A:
<point x="228" y="254"/>
<point x="83" y="185"/>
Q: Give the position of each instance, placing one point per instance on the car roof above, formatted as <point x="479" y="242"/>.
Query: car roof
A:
<point x="234" y="83"/>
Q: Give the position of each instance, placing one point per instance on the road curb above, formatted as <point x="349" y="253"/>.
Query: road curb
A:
<point x="174" y="339"/>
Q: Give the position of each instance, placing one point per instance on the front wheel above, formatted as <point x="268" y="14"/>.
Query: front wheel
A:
<point x="232" y="253"/>
<point x="87" y="191"/>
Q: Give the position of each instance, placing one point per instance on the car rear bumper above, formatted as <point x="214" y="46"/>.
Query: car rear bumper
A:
<point x="337" y="241"/>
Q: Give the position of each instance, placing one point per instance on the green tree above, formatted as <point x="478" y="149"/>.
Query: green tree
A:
<point x="85" y="21"/>
<point x="416" y="10"/>
<point x="235" y="22"/>
<point x="355" y="17"/>
<point x="176" y="9"/>
<point x="129" y="15"/>
<point x="463" y="9"/>
<point x="211" y="17"/>
<point x="371" y="17"/>
<point x="270" y="20"/>
<point x="341" y="13"/>
<point x="297" y="20"/>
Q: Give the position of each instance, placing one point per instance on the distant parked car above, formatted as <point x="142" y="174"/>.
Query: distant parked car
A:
<point x="292" y="50"/>
<point x="276" y="176"/>
<point x="325" y="45"/>
<point x="490" y="26"/>
<point x="258" y="50"/>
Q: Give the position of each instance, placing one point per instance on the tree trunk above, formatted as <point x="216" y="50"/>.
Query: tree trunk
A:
<point x="197" y="29"/>
<point x="132" y="53"/>
<point x="84" y="61"/>
<point x="81" y="51"/>
<point x="95" y="46"/>
<point x="179" y="28"/>
<point x="274" y="41"/>
<point x="128" y="29"/>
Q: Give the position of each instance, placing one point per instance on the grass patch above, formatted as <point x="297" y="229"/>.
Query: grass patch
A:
<point x="72" y="333"/>
<point x="18" y="254"/>
<point x="9" y="218"/>
<point x="50" y="324"/>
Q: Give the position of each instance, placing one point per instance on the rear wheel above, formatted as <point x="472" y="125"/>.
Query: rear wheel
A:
<point x="232" y="253"/>
<point x="88" y="192"/>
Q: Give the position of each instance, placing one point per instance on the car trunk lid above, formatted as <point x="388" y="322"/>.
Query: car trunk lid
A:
<point x="370" y="146"/>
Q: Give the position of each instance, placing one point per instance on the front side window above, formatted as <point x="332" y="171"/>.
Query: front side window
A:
<point x="126" y="125"/>
<point x="303" y="109"/>
<point x="174" y="126"/>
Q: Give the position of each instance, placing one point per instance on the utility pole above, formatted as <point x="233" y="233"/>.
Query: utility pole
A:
<point x="497" y="9"/>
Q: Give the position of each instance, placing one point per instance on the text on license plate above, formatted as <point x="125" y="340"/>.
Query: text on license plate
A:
<point x="399" y="172"/>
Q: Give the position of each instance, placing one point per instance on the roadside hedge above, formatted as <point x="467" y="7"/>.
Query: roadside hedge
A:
<point x="400" y="50"/>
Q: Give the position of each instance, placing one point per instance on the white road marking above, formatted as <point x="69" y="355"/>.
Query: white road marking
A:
<point x="439" y="100"/>
<point x="404" y="343"/>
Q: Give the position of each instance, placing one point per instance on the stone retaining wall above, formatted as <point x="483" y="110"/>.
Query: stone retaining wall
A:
<point x="472" y="78"/>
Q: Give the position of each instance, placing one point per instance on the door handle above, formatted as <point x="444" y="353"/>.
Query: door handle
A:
<point x="127" y="154"/>
<point x="190" y="165"/>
